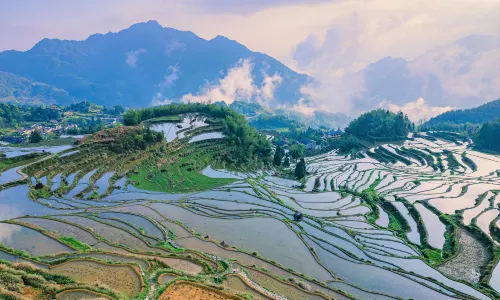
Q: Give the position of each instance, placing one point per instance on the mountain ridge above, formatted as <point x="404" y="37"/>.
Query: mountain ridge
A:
<point x="131" y="66"/>
<point x="484" y="113"/>
<point x="460" y="74"/>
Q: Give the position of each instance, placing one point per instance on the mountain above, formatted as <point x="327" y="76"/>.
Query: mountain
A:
<point x="17" y="89"/>
<point x="148" y="62"/>
<point x="317" y="119"/>
<point x="460" y="74"/>
<point x="479" y="115"/>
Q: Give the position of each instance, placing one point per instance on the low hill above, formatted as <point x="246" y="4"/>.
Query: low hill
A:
<point x="456" y="119"/>
<point x="317" y="119"/>
<point x="17" y="89"/>
<point x="380" y="125"/>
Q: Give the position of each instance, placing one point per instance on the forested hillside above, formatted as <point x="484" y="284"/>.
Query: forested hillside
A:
<point x="17" y="89"/>
<point x="380" y="125"/>
<point x="463" y="119"/>
<point x="488" y="137"/>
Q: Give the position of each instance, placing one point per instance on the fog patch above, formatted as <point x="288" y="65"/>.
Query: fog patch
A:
<point x="132" y="57"/>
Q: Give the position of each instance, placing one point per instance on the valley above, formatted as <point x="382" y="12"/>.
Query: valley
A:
<point x="182" y="200"/>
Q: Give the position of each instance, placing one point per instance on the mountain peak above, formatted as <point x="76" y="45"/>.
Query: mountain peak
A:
<point x="47" y="45"/>
<point x="149" y="25"/>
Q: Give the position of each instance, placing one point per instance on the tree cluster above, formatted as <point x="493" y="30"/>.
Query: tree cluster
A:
<point x="297" y="151"/>
<point x="380" y="125"/>
<point x="346" y="143"/>
<point x="12" y="115"/>
<point x="126" y="139"/>
<point x="35" y="137"/>
<point x="488" y="137"/>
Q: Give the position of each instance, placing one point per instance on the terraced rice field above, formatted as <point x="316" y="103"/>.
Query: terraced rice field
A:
<point x="370" y="229"/>
<point x="121" y="278"/>
<point x="80" y="295"/>
<point x="186" y="290"/>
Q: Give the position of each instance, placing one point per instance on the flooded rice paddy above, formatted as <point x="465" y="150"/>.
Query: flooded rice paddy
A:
<point x="344" y="241"/>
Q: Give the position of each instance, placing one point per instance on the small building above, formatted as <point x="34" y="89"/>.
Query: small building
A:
<point x="333" y="133"/>
<point x="308" y="143"/>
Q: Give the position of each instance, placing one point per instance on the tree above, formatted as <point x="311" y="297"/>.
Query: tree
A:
<point x="300" y="169"/>
<point x="487" y="137"/>
<point x="286" y="163"/>
<point x="278" y="156"/>
<point x="297" y="151"/>
<point x="298" y="216"/>
<point x="35" y="137"/>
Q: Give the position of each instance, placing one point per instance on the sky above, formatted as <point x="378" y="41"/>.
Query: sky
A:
<point x="323" y="38"/>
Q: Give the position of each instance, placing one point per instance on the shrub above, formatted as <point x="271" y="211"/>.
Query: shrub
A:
<point x="34" y="280"/>
<point x="10" y="281"/>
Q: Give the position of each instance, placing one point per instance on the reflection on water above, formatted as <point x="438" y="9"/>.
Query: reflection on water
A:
<point x="14" y="202"/>
<point x="206" y="136"/>
<point x="17" y="151"/>
<point x="10" y="175"/>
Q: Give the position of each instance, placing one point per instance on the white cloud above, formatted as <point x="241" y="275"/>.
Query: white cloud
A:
<point x="238" y="85"/>
<point x="343" y="35"/>
<point x="304" y="106"/>
<point x="132" y="57"/>
<point x="173" y="46"/>
<point x="169" y="79"/>
<point x="269" y="84"/>
<point x="159" y="99"/>
<point x="418" y="110"/>
<point x="334" y="92"/>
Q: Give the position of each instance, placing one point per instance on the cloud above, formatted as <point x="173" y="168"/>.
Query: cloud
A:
<point x="173" y="46"/>
<point x="417" y="110"/>
<point x="333" y="92"/>
<point x="169" y="79"/>
<point x="238" y="85"/>
<point x="244" y="7"/>
<point x="304" y="106"/>
<point x="269" y="84"/>
<point x="133" y="56"/>
<point x="339" y="48"/>
<point x="167" y="82"/>
<point x="322" y="38"/>
<point x="159" y="99"/>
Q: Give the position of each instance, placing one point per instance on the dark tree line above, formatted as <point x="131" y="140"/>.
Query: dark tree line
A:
<point x="457" y="120"/>
<point x="12" y="115"/>
<point x="488" y="137"/>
